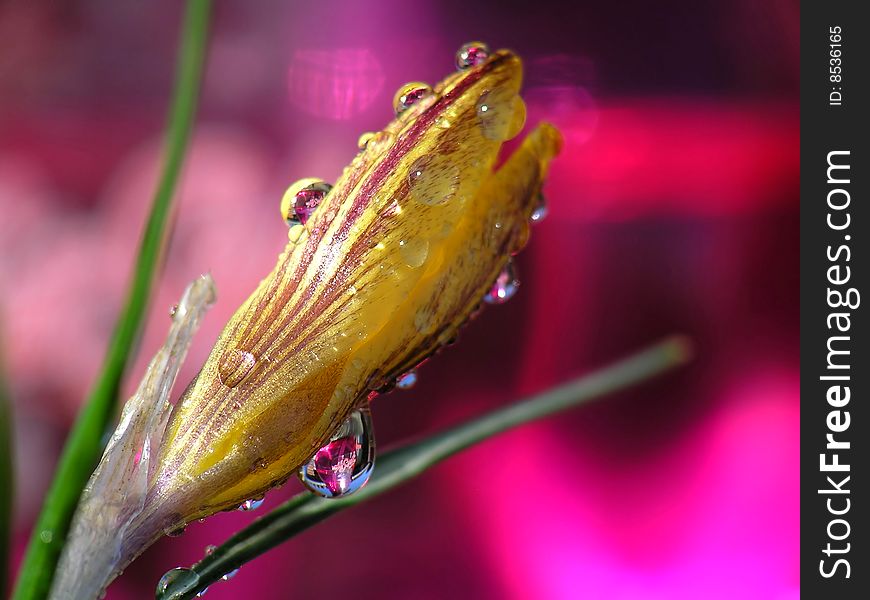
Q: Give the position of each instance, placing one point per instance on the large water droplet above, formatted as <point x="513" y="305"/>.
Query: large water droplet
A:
<point x="407" y="380"/>
<point x="174" y="575"/>
<point x="471" y="54"/>
<point x="345" y="463"/>
<point x="414" y="251"/>
<point x="252" y="504"/>
<point x="505" y="286"/>
<point x="433" y="180"/>
<point x="501" y="113"/>
<point x="235" y="365"/>
<point x="409" y="94"/>
<point x="302" y="198"/>
<point x="540" y="211"/>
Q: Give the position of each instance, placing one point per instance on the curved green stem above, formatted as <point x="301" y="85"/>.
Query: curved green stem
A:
<point x="7" y="482"/>
<point x="403" y="464"/>
<point x="84" y="445"/>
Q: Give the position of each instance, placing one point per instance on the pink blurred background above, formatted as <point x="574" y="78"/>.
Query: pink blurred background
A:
<point x="674" y="208"/>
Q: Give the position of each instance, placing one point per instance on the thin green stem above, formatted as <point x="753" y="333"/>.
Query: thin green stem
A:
<point x="7" y="482"/>
<point x="403" y="464"/>
<point x="84" y="445"/>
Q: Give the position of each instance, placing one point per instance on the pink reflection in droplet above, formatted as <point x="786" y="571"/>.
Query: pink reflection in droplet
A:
<point x="335" y="84"/>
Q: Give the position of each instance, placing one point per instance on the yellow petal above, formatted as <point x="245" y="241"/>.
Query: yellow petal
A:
<point x="395" y="259"/>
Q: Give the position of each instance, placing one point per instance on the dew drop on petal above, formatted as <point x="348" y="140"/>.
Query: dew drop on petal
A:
<point x="364" y="139"/>
<point x="177" y="532"/>
<point x="344" y="464"/>
<point x="409" y="94"/>
<point x="407" y="380"/>
<point x="302" y="198"/>
<point x="505" y="286"/>
<point x="297" y="233"/>
<point x="433" y="180"/>
<point x="501" y="114"/>
<point x="252" y="504"/>
<point x="308" y="198"/>
<point x="235" y="365"/>
<point x="471" y="55"/>
<point x="414" y="251"/>
<point x="540" y="211"/>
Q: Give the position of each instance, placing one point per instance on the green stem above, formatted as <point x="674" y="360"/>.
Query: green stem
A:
<point x="84" y="445"/>
<point x="403" y="464"/>
<point x="7" y="483"/>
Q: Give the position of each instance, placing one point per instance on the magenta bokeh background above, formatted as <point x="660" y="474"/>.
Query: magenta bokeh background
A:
<point x="674" y="208"/>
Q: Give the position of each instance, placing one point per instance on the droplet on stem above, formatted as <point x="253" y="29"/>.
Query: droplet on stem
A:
<point x="174" y="575"/>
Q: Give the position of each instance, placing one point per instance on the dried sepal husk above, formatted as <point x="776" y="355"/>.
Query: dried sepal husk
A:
<point x="115" y="494"/>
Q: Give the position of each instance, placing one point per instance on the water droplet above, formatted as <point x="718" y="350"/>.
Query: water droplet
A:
<point x="230" y="575"/>
<point x="296" y="233"/>
<point x="502" y="114"/>
<point x="173" y="310"/>
<point x="302" y="198"/>
<point x="202" y="593"/>
<point x="210" y="549"/>
<point x="409" y="94"/>
<point x="176" y="532"/>
<point x="174" y="575"/>
<point x="471" y="55"/>
<point x="407" y="380"/>
<point x="252" y="504"/>
<point x="505" y="286"/>
<point x="345" y="463"/>
<point x="540" y="211"/>
<point x="414" y="251"/>
<point x="433" y="180"/>
<point x="46" y="536"/>
<point x="363" y="140"/>
<point x="235" y="365"/>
